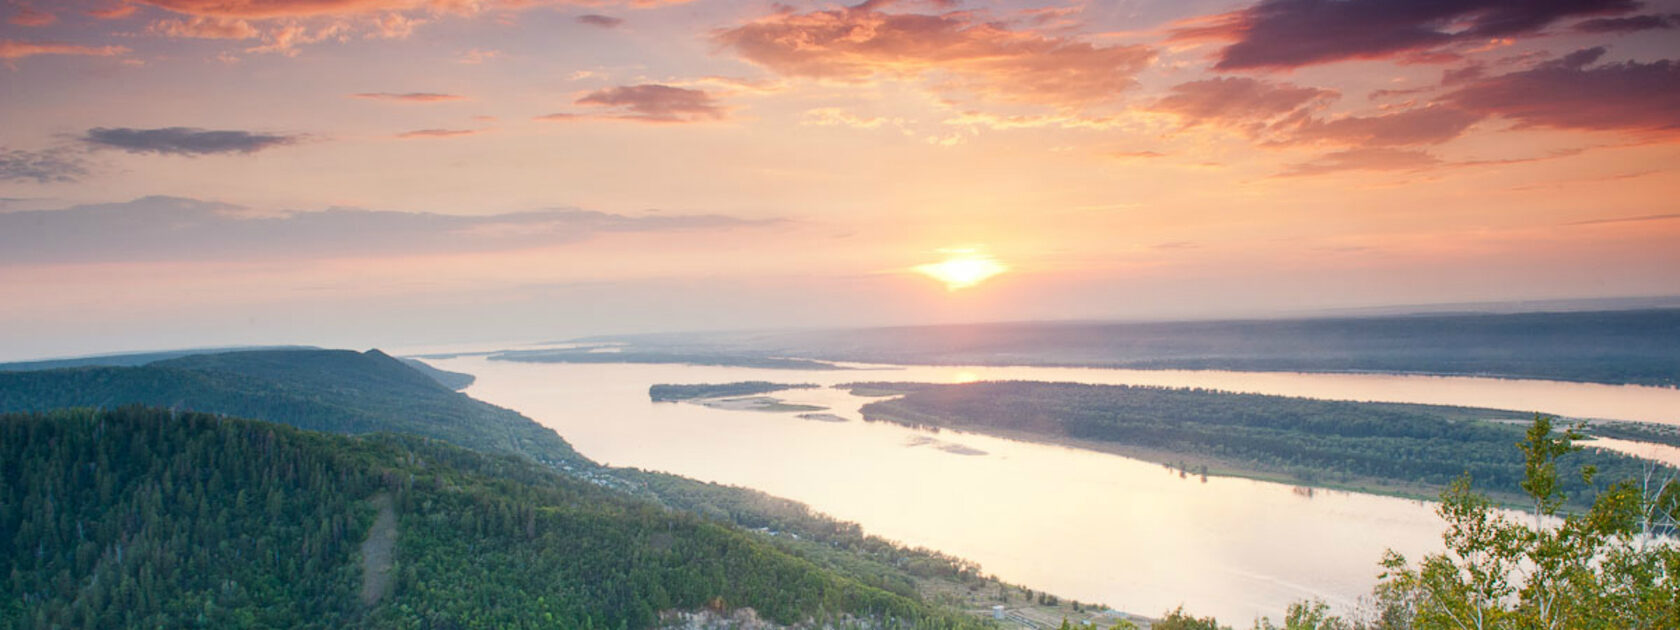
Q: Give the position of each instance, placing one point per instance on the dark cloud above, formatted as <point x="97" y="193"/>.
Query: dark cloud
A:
<point x="1629" y="24"/>
<point x="175" y="229"/>
<point x="603" y="21"/>
<point x="183" y="140"/>
<point x="1566" y="93"/>
<point x="1281" y="34"/>
<point x="657" y="103"/>
<point x="44" y="167"/>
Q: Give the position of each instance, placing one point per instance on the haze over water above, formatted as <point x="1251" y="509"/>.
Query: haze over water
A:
<point x="1091" y="526"/>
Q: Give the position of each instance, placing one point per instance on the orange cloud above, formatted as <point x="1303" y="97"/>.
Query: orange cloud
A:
<point x="12" y="49"/>
<point x="958" y="50"/>
<point x="206" y="28"/>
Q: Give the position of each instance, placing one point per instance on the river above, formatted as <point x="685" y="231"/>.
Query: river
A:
<point x="1092" y="526"/>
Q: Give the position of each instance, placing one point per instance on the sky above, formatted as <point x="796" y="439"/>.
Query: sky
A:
<point x="181" y="173"/>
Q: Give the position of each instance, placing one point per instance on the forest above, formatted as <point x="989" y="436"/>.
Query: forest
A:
<point x="1316" y="442"/>
<point x="143" y="517"/>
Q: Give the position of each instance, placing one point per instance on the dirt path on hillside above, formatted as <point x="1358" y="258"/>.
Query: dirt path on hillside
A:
<point x="379" y="552"/>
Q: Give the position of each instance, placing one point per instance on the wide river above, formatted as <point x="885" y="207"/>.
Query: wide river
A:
<point x="1091" y="526"/>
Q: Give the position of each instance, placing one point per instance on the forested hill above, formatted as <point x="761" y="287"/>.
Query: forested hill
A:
<point x="151" y="518"/>
<point x="1418" y="447"/>
<point x="338" y="391"/>
<point x="129" y="359"/>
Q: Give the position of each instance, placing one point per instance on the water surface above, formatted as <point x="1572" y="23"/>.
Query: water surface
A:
<point x="1092" y="526"/>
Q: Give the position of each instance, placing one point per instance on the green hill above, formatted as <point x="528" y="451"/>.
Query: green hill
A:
<point x="1410" y="449"/>
<point x="337" y="391"/>
<point x="150" y="518"/>
<point x="371" y="393"/>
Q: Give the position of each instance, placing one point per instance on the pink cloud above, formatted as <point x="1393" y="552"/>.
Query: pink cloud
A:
<point x="1283" y="113"/>
<point x="30" y="16"/>
<point x="1424" y="125"/>
<point x="1242" y="103"/>
<point x="478" y="55"/>
<point x="656" y="103"/>
<point x="1365" y="159"/>
<point x="955" y="50"/>
<point x="12" y="49"/>
<point x="409" y="97"/>
<point x="206" y="28"/>
<point x="268" y="9"/>
<point x="114" y="13"/>
<point x="438" y="133"/>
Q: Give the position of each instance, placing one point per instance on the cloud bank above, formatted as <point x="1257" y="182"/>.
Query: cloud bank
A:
<point x="178" y="229"/>
<point x="183" y="140"/>
<point x="959" y="50"/>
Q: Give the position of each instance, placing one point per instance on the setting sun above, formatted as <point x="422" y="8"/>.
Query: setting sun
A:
<point x="962" y="268"/>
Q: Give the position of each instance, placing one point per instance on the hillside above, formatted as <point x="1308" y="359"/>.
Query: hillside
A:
<point x="337" y="391"/>
<point x="149" y="518"/>
<point x="370" y="393"/>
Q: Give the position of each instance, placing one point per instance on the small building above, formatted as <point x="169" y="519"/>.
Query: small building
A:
<point x="997" y="612"/>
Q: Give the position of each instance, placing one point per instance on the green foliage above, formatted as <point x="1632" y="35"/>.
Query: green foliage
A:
<point x="1615" y="566"/>
<point x="1177" y="619"/>
<point x="1316" y="440"/>
<point x="147" y="518"/>
<point x="666" y="393"/>
<point x="832" y="544"/>
<point x="1313" y="615"/>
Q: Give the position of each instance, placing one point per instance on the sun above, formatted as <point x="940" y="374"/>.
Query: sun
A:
<point x="962" y="268"/>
